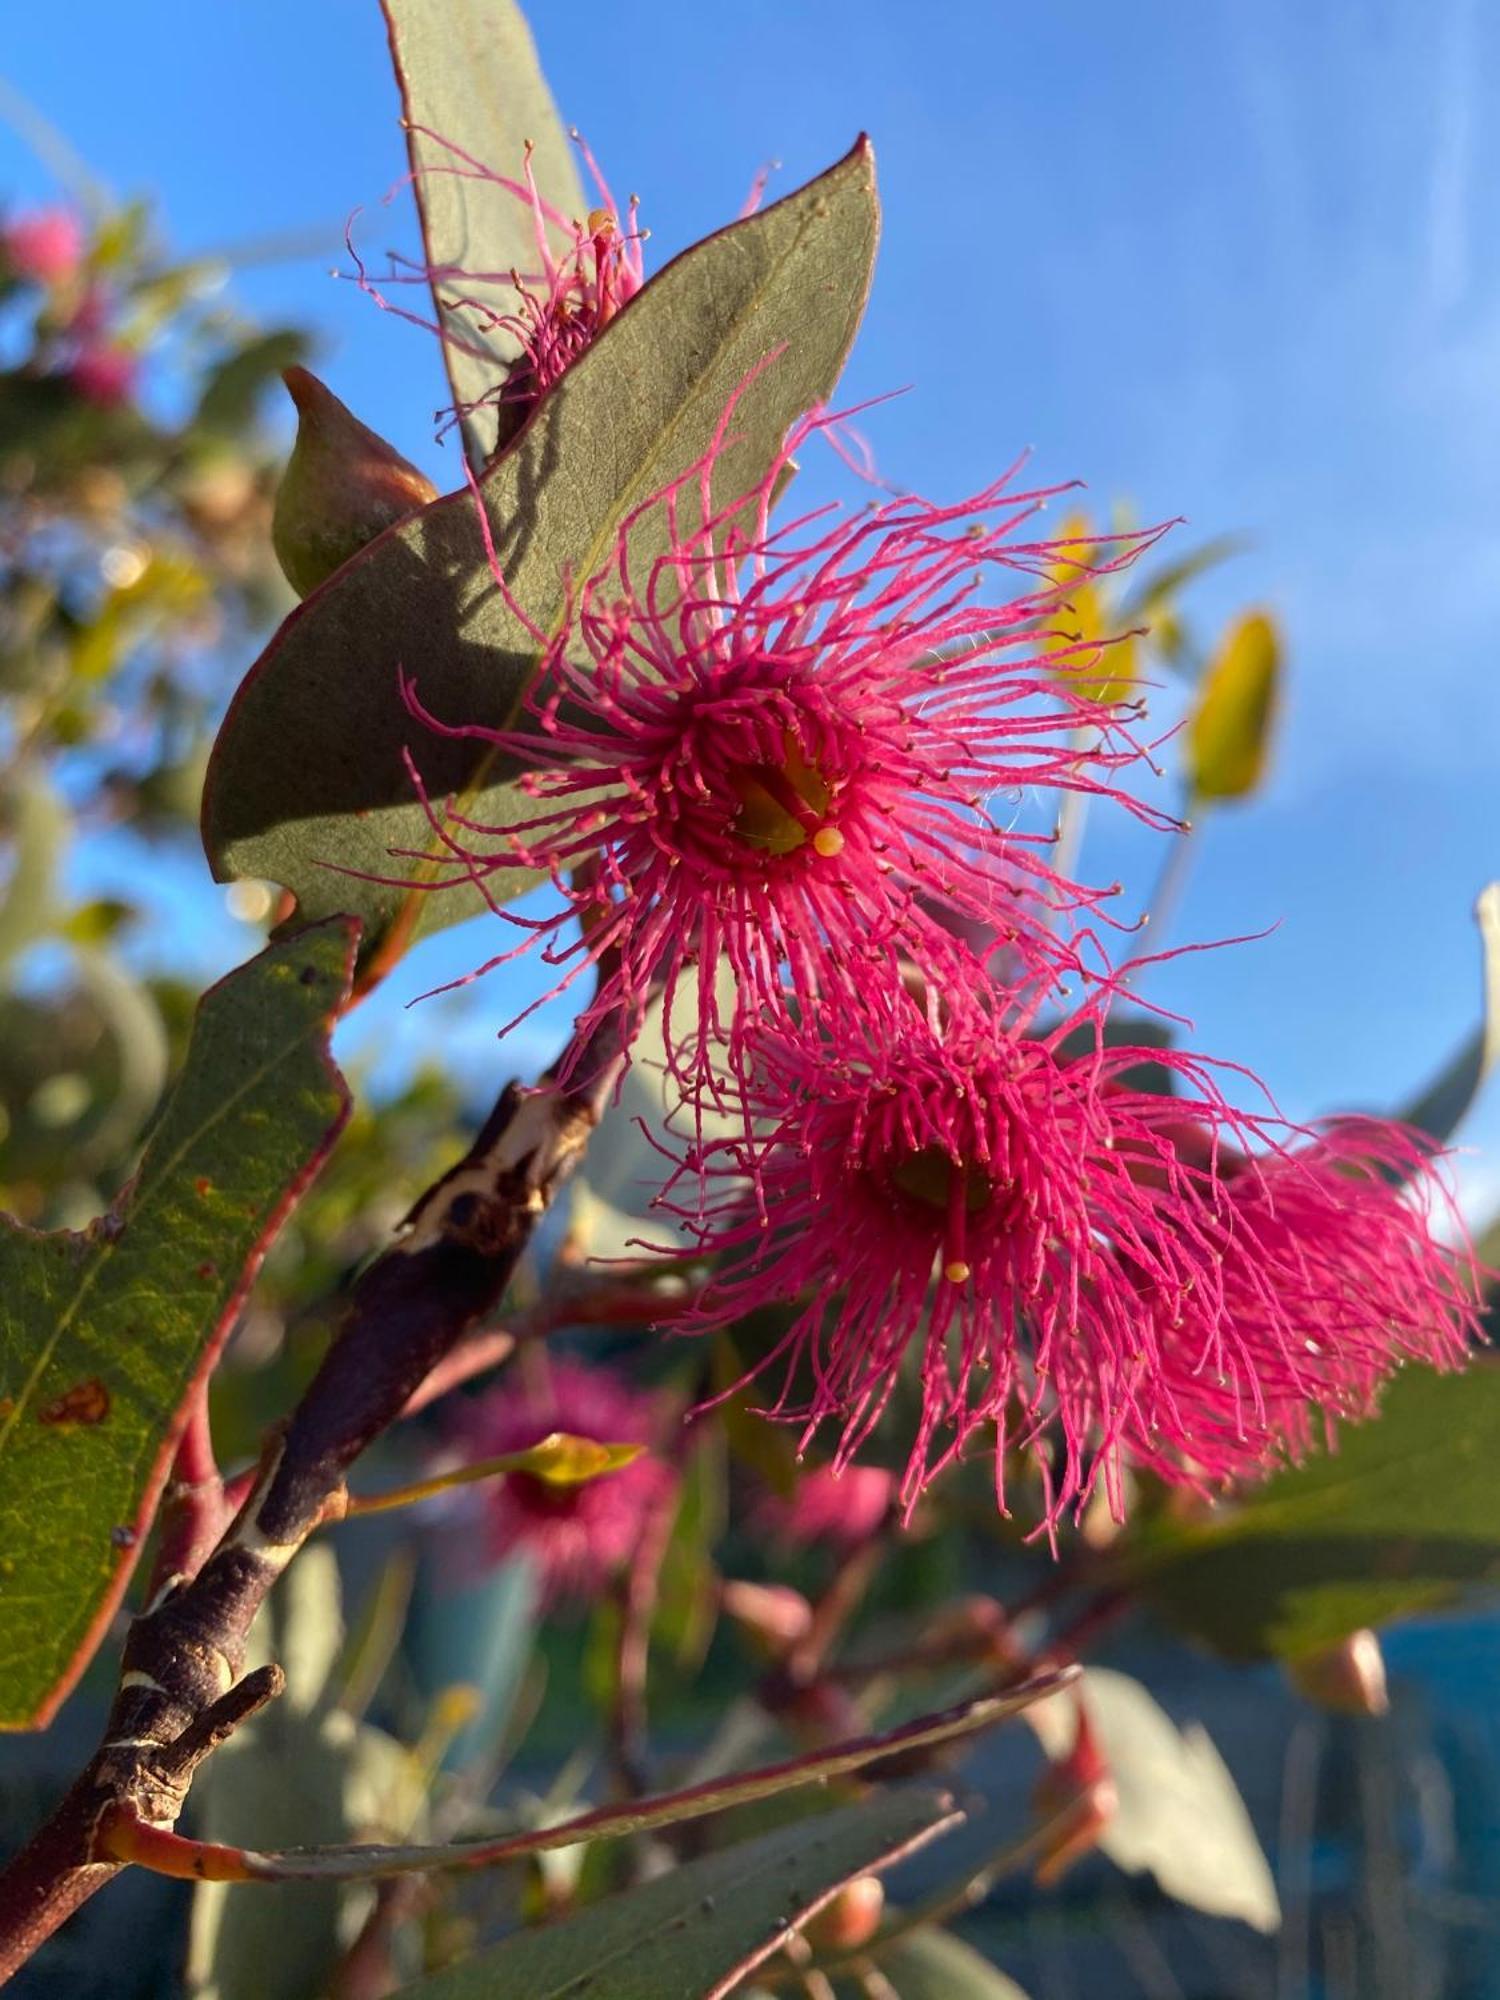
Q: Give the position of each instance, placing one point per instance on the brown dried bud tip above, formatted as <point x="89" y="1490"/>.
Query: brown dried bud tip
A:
<point x="1348" y="1679"/>
<point x="343" y="485"/>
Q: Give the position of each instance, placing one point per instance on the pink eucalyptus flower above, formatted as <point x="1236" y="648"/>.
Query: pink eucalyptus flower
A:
<point x="104" y="375"/>
<point x="843" y="1508"/>
<point x="786" y="749"/>
<point x="45" y="246"/>
<point x="577" y="1536"/>
<point x="1073" y="1283"/>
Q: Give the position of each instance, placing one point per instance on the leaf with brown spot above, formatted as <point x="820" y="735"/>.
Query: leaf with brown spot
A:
<point x="106" y="1331"/>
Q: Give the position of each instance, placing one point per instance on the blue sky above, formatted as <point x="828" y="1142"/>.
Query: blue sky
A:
<point x="1232" y="263"/>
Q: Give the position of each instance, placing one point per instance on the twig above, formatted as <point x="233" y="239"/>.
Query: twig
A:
<point x="180" y="1689"/>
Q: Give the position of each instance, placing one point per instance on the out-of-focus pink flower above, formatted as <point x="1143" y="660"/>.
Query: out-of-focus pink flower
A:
<point x="104" y="375"/>
<point x="1073" y="1284"/>
<point x="45" y="246"/>
<point x="828" y="1505"/>
<point x="577" y="1536"/>
<point x="784" y="748"/>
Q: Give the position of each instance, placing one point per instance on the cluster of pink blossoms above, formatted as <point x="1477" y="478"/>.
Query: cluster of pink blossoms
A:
<point x="826" y="758"/>
<point x="48" y="247"/>
<point x="802" y="752"/>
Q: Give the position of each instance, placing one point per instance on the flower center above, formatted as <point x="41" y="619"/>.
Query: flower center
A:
<point x="955" y="1191"/>
<point x="784" y="806"/>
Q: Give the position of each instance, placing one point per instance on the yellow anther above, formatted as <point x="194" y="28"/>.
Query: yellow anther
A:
<point x="828" y="841"/>
<point x="956" y="1272"/>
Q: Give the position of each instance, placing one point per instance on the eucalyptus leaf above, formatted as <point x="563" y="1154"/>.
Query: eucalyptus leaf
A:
<point x="307" y="784"/>
<point x="1179" y="1815"/>
<point x="1401" y="1518"/>
<point x="1156" y="589"/>
<point x="104" y="1332"/>
<point x="612" y="1204"/>
<point x="35" y="829"/>
<point x="232" y="391"/>
<point x="468" y="74"/>
<point x="304" y="1770"/>
<point x="932" y="1964"/>
<point x="695" y="1932"/>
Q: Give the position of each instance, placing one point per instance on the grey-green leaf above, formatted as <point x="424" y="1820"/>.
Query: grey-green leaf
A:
<point x="468" y="74"/>
<point x="307" y="778"/>
<point x="693" y="1933"/>
<point x="1179" y="1814"/>
<point x="304" y="1770"/>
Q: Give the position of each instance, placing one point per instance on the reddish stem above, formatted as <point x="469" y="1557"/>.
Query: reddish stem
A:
<point x="196" y="1509"/>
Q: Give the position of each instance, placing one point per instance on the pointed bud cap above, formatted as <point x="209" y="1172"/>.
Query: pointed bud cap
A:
<point x="343" y="485"/>
<point x="1348" y="1679"/>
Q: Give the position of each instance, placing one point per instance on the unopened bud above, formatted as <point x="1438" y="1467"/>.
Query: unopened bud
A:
<point x="343" y="485"/>
<point x="772" y="1613"/>
<point x="851" y="1919"/>
<point x="1348" y="1678"/>
<point x="1075" y="1799"/>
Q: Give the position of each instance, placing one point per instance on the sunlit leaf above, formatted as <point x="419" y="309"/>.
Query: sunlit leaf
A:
<point x="557" y="1460"/>
<point x="1179" y="1815"/>
<point x="103" y="1333"/>
<point x="1229" y="731"/>
<point x="1086" y="614"/>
